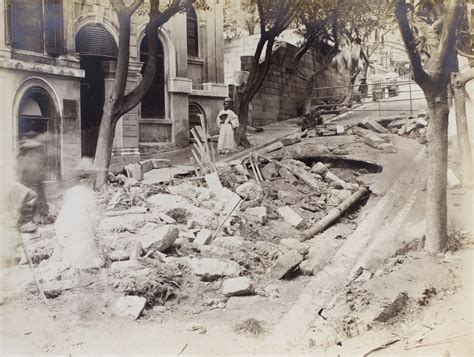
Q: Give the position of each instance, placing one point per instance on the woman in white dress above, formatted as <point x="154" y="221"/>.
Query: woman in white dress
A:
<point x="228" y="122"/>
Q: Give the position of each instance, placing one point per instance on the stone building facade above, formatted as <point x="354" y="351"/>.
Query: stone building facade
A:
<point x="57" y="62"/>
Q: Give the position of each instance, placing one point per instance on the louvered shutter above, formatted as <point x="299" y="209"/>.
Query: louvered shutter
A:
<point x="192" y="33"/>
<point x="54" y="33"/>
<point x="8" y="21"/>
<point x="27" y="25"/>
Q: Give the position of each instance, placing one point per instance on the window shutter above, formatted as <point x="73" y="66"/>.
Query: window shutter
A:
<point x="27" y="25"/>
<point x="54" y="33"/>
<point x="192" y="33"/>
<point x="8" y="21"/>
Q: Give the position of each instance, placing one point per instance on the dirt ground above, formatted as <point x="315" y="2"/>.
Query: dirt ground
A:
<point x="433" y="295"/>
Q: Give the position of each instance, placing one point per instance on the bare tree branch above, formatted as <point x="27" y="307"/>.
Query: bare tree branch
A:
<point x="419" y="74"/>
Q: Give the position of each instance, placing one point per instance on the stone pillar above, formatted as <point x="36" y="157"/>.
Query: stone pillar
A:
<point x="179" y="90"/>
<point x="125" y="145"/>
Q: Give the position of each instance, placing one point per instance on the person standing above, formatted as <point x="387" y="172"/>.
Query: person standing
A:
<point x="228" y="122"/>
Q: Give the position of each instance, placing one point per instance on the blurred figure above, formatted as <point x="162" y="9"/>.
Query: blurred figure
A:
<point x="32" y="169"/>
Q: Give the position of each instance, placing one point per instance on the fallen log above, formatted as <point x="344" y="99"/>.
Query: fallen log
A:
<point x="335" y="213"/>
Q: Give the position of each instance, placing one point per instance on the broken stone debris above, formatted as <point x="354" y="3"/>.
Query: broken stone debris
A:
<point x="388" y="148"/>
<point x="258" y="214"/>
<point x="154" y="237"/>
<point x="203" y="237"/>
<point x="286" y="264"/>
<point x="373" y="125"/>
<point x="289" y="197"/>
<point x="274" y="147"/>
<point x="130" y="306"/>
<point x="237" y="286"/>
<point x="296" y="245"/>
<point x="320" y="169"/>
<point x="291" y="217"/>
<point x="373" y="140"/>
<point x="394" y="308"/>
<point x="269" y="171"/>
<point x="210" y="269"/>
<point x="250" y="191"/>
<point x="291" y="139"/>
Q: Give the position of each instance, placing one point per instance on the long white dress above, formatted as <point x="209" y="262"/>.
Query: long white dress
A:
<point x="226" y="130"/>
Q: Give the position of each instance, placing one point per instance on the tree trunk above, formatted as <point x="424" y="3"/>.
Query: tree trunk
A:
<point x="436" y="209"/>
<point x="309" y="89"/>
<point x="103" y="153"/>
<point x="462" y="130"/>
<point x="243" y="113"/>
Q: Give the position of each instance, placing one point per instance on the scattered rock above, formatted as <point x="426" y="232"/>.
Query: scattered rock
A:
<point x="134" y="171"/>
<point x="373" y="125"/>
<point x="203" y="237"/>
<point x="320" y="169"/>
<point x="136" y="250"/>
<point x="373" y="140"/>
<point x="272" y="291"/>
<point x="291" y="139"/>
<point x="237" y="286"/>
<point x="287" y="175"/>
<point x="210" y="269"/>
<point x="120" y="179"/>
<point x="394" y="308"/>
<point x="241" y="170"/>
<point x="295" y="245"/>
<point x="269" y="171"/>
<point x="130" y="182"/>
<point x="388" y="148"/>
<point x="194" y="327"/>
<point x="161" y="163"/>
<point x="232" y="242"/>
<point x="158" y="238"/>
<point x="335" y="181"/>
<point x="147" y="165"/>
<point x="250" y="190"/>
<point x="258" y="214"/>
<point x="119" y="255"/>
<point x="289" y="197"/>
<point x="167" y="219"/>
<point x="130" y="306"/>
<point x="291" y="217"/>
<point x="286" y="264"/>
<point x="397" y="123"/>
<point x="180" y="215"/>
<point x="273" y="147"/>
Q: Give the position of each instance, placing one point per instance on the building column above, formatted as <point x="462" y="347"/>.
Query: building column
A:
<point x="125" y="145"/>
<point x="4" y="49"/>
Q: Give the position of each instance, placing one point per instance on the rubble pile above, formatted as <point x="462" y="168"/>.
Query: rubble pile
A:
<point x="202" y="240"/>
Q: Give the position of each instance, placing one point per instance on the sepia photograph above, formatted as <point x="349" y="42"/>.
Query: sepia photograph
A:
<point x="237" y="177"/>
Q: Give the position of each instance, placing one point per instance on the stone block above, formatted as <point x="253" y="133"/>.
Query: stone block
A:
<point x="287" y="175"/>
<point x="259" y="214"/>
<point x="158" y="238"/>
<point x="335" y="181"/>
<point x="273" y="147"/>
<point x="285" y="264"/>
<point x="160" y="163"/>
<point x="320" y="169"/>
<point x="203" y="237"/>
<point x="237" y="286"/>
<point x="250" y="191"/>
<point x="291" y="139"/>
<point x="291" y="217"/>
<point x="397" y="123"/>
<point x="373" y="125"/>
<point x="130" y="306"/>
<point x="289" y="197"/>
<point x="388" y="148"/>
<point x="167" y="219"/>
<point x="373" y="140"/>
<point x="147" y="165"/>
<point x="210" y="269"/>
<point x="134" y="171"/>
<point x="269" y="171"/>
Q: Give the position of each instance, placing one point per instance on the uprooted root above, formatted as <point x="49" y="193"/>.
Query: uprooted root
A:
<point x="250" y="326"/>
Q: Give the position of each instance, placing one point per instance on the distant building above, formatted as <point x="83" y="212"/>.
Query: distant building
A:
<point x="57" y="62"/>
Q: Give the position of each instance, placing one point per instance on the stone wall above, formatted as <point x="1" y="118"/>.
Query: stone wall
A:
<point x="282" y="94"/>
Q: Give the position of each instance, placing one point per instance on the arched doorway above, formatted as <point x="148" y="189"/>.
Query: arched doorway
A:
<point x="153" y="103"/>
<point x="194" y="111"/>
<point x="38" y="119"/>
<point x="94" y="44"/>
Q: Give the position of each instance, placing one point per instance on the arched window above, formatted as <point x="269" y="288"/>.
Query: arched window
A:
<point x="192" y="32"/>
<point x="153" y="103"/>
